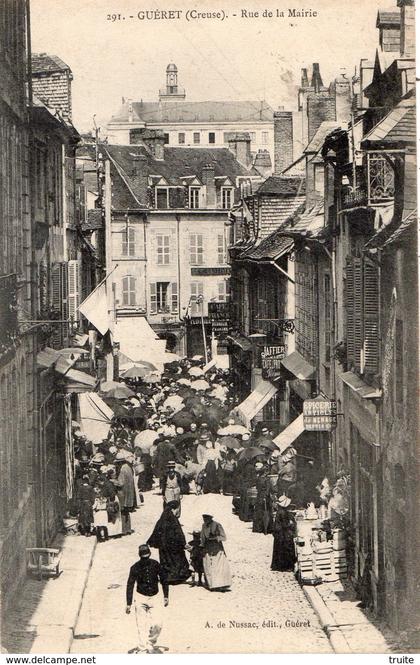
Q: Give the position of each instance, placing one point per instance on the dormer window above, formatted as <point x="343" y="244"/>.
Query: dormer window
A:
<point x="194" y="197"/>
<point x="227" y="198"/>
<point x="162" y="198"/>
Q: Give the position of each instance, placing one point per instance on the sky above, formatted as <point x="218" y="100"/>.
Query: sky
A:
<point x="240" y="57"/>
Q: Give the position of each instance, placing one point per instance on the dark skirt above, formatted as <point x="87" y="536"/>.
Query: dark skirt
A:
<point x="283" y="550"/>
<point x="211" y="480"/>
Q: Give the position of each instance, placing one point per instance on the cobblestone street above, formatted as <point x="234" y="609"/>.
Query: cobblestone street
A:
<point x="257" y="595"/>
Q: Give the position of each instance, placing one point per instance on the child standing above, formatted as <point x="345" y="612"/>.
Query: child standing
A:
<point x="196" y="557"/>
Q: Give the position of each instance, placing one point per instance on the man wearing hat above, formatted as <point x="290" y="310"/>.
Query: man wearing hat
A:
<point x="146" y="575"/>
<point x="165" y="452"/>
<point x="126" y="491"/>
<point x="201" y="449"/>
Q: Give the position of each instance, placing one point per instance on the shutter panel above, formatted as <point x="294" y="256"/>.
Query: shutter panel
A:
<point x="125" y="295"/>
<point x="358" y="311"/>
<point x="73" y="290"/>
<point x="132" y="291"/>
<point x="370" y="317"/>
<point x="153" y="298"/>
<point x="131" y="242"/>
<point x="174" y="299"/>
<point x="56" y="303"/>
<point x="349" y="296"/>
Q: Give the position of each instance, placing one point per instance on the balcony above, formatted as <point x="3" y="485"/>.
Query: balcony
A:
<point x="8" y="316"/>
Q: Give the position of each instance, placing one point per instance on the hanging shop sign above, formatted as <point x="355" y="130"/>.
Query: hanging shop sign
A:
<point x="319" y="414"/>
<point x="271" y="357"/>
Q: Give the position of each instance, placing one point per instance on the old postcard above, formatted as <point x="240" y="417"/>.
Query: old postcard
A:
<point x="208" y="327"/>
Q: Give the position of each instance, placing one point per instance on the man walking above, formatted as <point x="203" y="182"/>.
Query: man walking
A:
<point x="147" y="573"/>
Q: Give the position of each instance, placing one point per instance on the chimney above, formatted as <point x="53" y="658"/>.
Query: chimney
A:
<point x="240" y="145"/>
<point x="283" y="140"/>
<point x="407" y="29"/>
<point x="316" y="82"/>
<point x="321" y="108"/>
<point x="154" y="139"/>
<point x="304" y="83"/>
<point x="262" y="163"/>
<point x="139" y="178"/>
<point x="342" y="91"/>
<point x="207" y="176"/>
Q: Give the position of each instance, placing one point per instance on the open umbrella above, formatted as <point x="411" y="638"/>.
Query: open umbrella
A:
<point x="197" y="358"/>
<point x="116" y="390"/>
<point x="230" y="442"/>
<point x="269" y="445"/>
<point x="184" y="382"/>
<point x="183" y="419"/>
<point x="145" y="439"/>
<point x="233" y="430"/>
<point x="175" y="402"/>
<point x="250" y="453"/>
<point x="195" y="371"/>
<point x="135" y="372"/>
<point x="201" y="384"/>
<point x="152" y="378"/>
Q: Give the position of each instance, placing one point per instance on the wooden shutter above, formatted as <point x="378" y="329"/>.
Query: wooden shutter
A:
<point x="174" y="297"/>
<point x="193" y="249"/>
<point x="125" y="291"/>
<point x="349" y="303"/>
<point x="132" y="290"/>
<point x="73" y="290"/>
<point x="59" y="292"/>
<point x="354" y="310"/>
<point x="131" y="242"/>
<point x="370" y="317"/>
<point x="153" y="298"/>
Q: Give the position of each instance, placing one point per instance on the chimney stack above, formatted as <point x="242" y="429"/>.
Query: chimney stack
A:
<point x="316" y="82"/>
<point x="139" y="178"/>
<point x="154" y="139"/>
<point x="262" y="163"/>
<point x="304" y="80"/>
<point x="283" y="140"/>
<point x="207" y="177"/>
<point x="240" y="145"/>
<point x="407" y="29"/>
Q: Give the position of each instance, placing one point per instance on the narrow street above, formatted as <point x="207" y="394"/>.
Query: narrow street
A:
<point x="191" y="622"/>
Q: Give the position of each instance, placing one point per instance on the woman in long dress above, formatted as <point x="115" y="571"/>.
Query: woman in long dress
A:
<point x="215" y="563"/>
<point x="169" y="539"/>
<point x="284" y="530"/>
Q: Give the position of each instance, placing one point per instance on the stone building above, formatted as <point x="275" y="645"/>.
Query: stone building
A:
<point x="167" y="241"/>
<point x="205" y="124"/>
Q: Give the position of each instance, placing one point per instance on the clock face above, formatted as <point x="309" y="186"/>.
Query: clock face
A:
<point x="171" y="79"/>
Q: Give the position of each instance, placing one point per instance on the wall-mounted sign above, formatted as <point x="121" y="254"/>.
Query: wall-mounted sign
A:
<point x="319" y="414"/>
<point x="271" y="357"/>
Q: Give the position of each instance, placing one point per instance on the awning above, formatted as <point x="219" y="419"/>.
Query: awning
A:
<point x="95" y="308"/>
<point x="256" y="401"/>
<point x="360" y="387"/>
<point x="241" y="341"/>
<point x="138" y="341"/>
<point x="95" y="417"/>
<point x="288" y="435"/>
<point x="297" y="365"/>
<point x="78" y="382"/>
<point x="49" y="357"/>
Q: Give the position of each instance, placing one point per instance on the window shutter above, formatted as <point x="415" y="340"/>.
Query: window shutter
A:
<point x="131" y="242"/>
<point x="124" y="243"/>
<point x="174" y="303"/>
<point x="73" y="290"/>
<point x="358" y="311"/>
<point x="125" y="296"/>
<point x="349" y="296"/>
<point x="153" y="298"/>
<point x="59" y="302"/>
<point x="370" y="317"/>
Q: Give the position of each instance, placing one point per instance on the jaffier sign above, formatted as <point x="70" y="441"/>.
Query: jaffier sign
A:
<point x="271" y="357"/>
<point x="320" y="414"/>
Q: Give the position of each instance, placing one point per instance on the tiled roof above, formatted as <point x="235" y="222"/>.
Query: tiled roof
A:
<point x="321" y="134"/>
<point x="230" y="111"/>
<point x="283" y="185"/>
<point x="310" y="223"/>
<point x="43" y="62"/>
<point x="394" y="231"/>
<point x="270" y="248"/>
<point x="94" y="220"/>
<point x="276" y="211"/>
<point x="388" y="17"/>
<point x="399" y="126"/>
<point x="178" y="163"/>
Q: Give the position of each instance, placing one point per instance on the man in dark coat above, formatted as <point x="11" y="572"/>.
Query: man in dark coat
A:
<point x="126" y="492"/>
<point x="169" y="539"/>
<point x="165" y="452"/>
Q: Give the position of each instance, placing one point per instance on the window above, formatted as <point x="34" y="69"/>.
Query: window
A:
<point x="162" y="289"/>
<point x="223" y="292"/>
<point x="196" y="249"/>
<point x="264" y="137"/>
<point x="162" y="198"/>
<point x="196" y="291"/>
<point x="163" y="297"/>
<point x="128" y="247"/>
<point x="166" y="138"/>
<point x="163" y="250"/>
<point x="174" y="298"/>
<point x="252" y="136"/>
<point x="194" y="197"/>
<point x="227" y="198"/>
<point x="212" y="137"/>
<point x="380" y="179"/>
<point x="196" y="138"/>
<point x="327" y="317"/>
<point x="181" y="138"/>
<point x="129" y="291"/>
<point x="221" y="248"/>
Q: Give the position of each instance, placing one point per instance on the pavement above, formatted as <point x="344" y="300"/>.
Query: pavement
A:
<point x="83" y="610"/>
